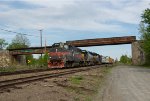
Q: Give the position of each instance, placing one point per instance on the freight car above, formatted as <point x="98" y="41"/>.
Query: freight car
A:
<point x="107" y="60"/>
<point x="88" y="58"/>
<point x="64" y="55"/>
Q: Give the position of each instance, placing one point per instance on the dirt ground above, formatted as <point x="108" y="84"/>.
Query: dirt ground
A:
<point x="126" y="83"/>
<point x="81" y="86"/>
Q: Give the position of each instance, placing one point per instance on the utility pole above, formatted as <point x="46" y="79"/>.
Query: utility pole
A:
<point x="45" y="45"/>
<point x="41" y="39"/>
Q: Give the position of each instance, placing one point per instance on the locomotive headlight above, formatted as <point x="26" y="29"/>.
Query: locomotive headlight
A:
<point x="50" y="57"/>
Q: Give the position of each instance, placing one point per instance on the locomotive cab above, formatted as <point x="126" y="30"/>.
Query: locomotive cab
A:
<point x="60" y="45"/>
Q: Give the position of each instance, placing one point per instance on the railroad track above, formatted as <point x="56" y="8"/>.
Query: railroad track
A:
<point x="12" y="82"/>
<point x="24" y="72"/>
<point x="31" y="71"/>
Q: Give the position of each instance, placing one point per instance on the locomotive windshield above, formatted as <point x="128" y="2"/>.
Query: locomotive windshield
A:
<point x="57" y="45"/>
<point x="60" y="45"/>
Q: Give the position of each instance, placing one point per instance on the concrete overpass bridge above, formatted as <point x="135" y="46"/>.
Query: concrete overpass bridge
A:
<point x="136" y="51"/>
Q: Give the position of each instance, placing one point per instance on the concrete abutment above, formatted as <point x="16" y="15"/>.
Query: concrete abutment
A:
<point x="138" y="57"/>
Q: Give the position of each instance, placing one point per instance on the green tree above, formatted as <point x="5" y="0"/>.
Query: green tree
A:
<point x="125" y="59"/>
<point x="20" y="41"/>
<point x="43" y="60"/>
<point x="145" y="34"/>
<point x="3" y="44"/>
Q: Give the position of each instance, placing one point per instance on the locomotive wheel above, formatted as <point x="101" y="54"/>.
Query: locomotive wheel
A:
<point x="73" y="64"/>
<point x="68" y="64"/>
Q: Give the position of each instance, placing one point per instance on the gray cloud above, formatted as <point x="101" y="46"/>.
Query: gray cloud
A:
<point x="89" y="15"/>
<point x="72" y="16"/>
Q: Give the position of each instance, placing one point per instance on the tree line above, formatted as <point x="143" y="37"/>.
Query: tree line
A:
<point x="125" y="59"/>
<point x="19" y="41"/>
<point x="145" y="34"/>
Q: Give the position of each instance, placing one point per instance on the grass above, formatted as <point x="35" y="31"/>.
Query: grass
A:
<point x="74" y="89"/>
<point x="141" y="66"/>
<point x="94" y="81"/>
<point x="146" y="66"/>
<point x="14" y="68"/>
<point x="76" y="79"/>
<point x="11" y="69"/>
<point x="76" y="99"/>
<point x="88" y="99"/>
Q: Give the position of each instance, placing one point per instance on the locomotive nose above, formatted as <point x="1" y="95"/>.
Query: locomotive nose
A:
<point x="56" y="61"/>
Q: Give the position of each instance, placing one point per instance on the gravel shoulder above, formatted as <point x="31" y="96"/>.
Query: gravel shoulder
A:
<point x="126" y="83"/>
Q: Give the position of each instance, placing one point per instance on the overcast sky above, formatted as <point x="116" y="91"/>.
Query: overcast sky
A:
<point x="63" y="20"/>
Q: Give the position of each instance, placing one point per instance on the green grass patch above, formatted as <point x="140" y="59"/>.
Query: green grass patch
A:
<point x="76" y="79"/>
<point x="7" y="69"/>
<point x="14" y="68"/>
<point x="146" y="66"/>
<point x="87" y="98"/>
<point x="93" y="81"/>
<point x="106" y="70"/>
<point x="76" y="99"/>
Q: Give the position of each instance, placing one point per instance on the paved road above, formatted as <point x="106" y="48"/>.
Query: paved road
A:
<point x="126" y="83"/>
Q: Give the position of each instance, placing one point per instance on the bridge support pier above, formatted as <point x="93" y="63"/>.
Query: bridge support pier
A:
<point x="138" y="57"/>
<point x="19" y="59"/>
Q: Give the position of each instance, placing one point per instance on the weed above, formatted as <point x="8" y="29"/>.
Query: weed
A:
<point x="76" y="99"/>
<point x="7" y="69"/>
<point x="88" y="99"/>
<point x="146" y="66"/>
<point x="76" y="79"/>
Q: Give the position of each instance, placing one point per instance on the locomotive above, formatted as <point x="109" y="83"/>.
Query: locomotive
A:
<point x="64" y="55"/>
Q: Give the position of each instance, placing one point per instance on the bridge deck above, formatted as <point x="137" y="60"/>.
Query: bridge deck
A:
<point x="103" y="41"/>
<point x="77" y="43"/>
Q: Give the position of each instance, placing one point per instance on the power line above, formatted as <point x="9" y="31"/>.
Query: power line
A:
<point x="18" y="32"/>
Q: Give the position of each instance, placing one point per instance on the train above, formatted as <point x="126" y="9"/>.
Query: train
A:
<point x="107" y="60"/>
<point x="63" y="55"/>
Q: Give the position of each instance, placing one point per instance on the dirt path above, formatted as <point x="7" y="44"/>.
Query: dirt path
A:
<point x="126" y="83"/>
